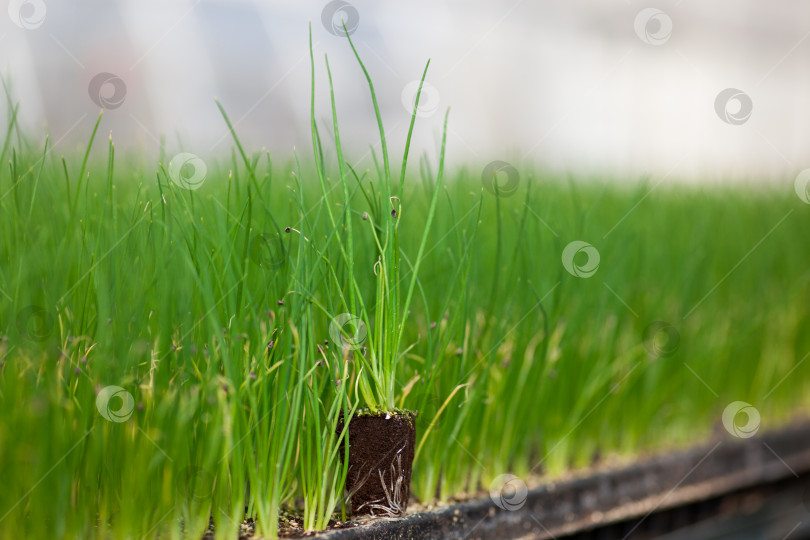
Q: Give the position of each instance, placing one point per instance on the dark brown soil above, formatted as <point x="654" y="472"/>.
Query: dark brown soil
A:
<point x="381" y="449"/>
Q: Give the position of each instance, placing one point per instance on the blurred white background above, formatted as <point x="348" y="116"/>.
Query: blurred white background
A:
<point x="610" y="89"/>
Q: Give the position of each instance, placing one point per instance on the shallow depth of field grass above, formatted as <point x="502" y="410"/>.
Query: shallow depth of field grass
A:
<point x="212" y="309"/>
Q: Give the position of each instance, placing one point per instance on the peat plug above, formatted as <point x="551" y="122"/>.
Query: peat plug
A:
<point x="381" y="450"/>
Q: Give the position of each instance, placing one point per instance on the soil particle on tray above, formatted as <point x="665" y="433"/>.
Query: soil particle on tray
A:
<point x="381" y="451"/>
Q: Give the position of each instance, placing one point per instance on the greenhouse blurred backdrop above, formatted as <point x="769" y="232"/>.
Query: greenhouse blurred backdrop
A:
<point x="613" y="89"/>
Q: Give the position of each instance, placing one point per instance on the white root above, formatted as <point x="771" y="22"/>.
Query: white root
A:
<point x="395" y="501"/>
